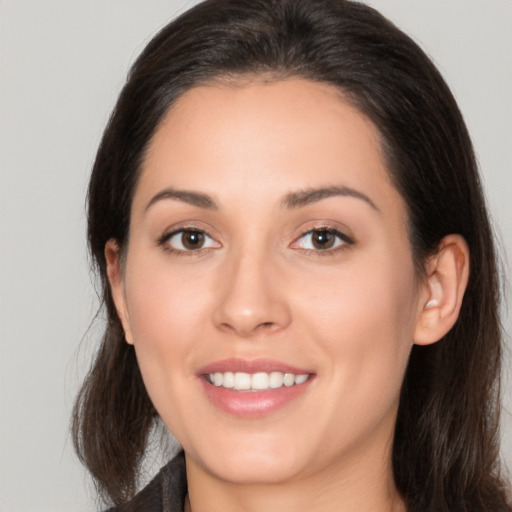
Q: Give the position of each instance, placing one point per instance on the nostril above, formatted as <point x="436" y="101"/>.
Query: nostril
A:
<point x="266" y="325"/>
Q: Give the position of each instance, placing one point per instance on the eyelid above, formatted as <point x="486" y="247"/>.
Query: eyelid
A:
<point x="346" y="240"/>
<point x="164" y="240"/>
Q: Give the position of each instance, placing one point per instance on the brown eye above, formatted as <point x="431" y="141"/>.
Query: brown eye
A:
<point x="188" y="240"/>
<point x="192" y="240"/>
<point x="323" y="240"/>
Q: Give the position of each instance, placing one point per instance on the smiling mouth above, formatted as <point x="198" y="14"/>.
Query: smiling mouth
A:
<point x="251" y="389"/>
<point x="260" y="381"/>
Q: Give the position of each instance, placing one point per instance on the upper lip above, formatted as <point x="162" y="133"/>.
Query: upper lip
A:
<point x="251" y="366"/>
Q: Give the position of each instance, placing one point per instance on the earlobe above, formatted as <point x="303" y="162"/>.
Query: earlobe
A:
<point x="115" y="278"/>
<point x="447" y="277"/>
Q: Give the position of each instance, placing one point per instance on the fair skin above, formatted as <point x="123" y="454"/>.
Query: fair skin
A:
<point x="248" y="268"/>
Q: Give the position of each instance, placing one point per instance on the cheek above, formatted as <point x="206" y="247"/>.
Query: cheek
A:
<point x="162" y="300"/>
<point x="166" y="311"/>
<point x="167" y="317"/>
<point x="363" y="316"/>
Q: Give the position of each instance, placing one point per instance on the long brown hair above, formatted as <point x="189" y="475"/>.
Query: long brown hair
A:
<point x="446" y="452"/>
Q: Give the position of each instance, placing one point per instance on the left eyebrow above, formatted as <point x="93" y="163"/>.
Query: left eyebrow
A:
<point x="304" y="197"/>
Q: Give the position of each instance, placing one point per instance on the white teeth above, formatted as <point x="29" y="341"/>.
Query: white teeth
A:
<point x="299" y="379"/>
<point x="289" y="379"/>
<point x="217" y="379"/>
<point x="257" y="381"/>
<point x="276" y="380"/>
<point x="260" y="381"/>
<point x="242" y="381"/>
<point x="228" y="380"/>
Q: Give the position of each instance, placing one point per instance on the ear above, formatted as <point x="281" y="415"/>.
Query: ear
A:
<point x="115" y="278"/>
<point x="441" y="299"/>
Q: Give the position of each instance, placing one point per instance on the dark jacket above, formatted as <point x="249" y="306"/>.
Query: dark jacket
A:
<point x="165" y="493"/>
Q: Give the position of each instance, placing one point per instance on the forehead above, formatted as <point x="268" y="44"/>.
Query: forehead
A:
<point x="261" y="138"/>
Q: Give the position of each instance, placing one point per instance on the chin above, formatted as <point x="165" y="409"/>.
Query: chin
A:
<point x="256" y="472"/>
<point x="257" y="465"/>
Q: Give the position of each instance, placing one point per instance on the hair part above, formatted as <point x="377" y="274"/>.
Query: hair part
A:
<point x="445" y="453"/>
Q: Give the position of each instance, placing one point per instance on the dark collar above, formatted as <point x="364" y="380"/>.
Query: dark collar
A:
<point x="165" y="493"/>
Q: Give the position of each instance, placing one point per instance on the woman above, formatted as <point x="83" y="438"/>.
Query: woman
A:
<point x="298" y="271"/>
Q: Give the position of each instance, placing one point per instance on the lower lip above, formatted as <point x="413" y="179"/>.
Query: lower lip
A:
<point x="253" y="404"/>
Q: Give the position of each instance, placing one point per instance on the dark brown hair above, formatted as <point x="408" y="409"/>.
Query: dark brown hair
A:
<point x="445" y="454"/>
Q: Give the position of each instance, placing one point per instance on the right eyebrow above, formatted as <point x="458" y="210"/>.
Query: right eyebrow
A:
<point x="187" y="196"/>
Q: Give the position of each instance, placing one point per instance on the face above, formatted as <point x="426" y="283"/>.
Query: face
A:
<point x="268" y="285"/>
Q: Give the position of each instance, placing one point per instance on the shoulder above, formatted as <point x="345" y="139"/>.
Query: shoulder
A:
<point x="165" y="493"/>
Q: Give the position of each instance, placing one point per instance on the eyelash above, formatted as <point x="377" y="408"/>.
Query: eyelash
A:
<point x="343" y="244"/>
<point x="163" y="241"/>
<point x="345" y="241"/>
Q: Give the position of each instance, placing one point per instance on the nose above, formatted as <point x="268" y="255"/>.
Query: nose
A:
<point x="251" y="297"/>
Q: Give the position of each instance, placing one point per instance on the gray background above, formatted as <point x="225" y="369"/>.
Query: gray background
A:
<point x="62" y="64"/>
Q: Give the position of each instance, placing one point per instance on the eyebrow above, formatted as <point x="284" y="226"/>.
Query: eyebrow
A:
<point x="187" y="196"/>
<point x="308" y="196"/>
<point x="292" y="200"/>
